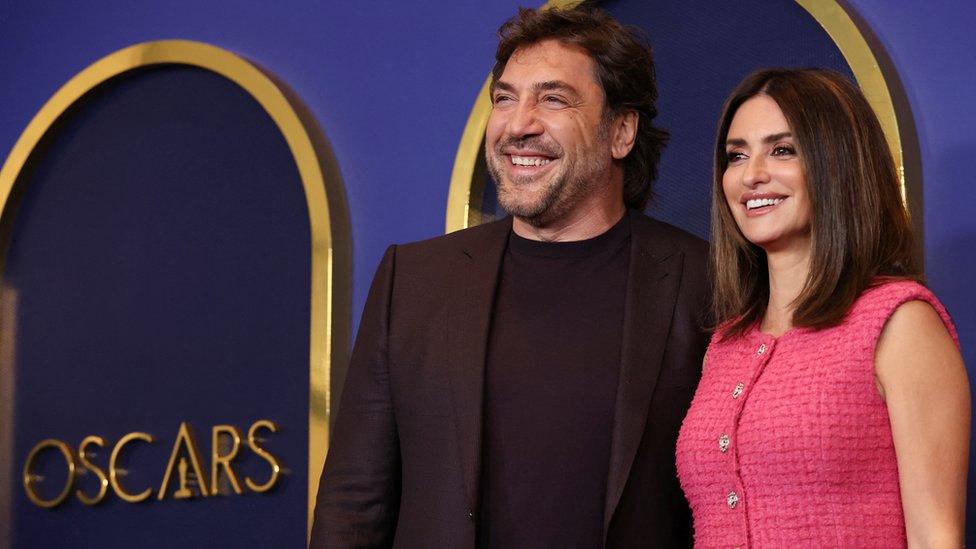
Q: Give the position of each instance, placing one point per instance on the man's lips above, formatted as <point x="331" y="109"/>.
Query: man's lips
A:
<point x="528" y="160"/>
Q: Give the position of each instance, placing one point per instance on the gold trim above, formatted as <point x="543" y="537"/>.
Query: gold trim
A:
<point x="461" y="210"/>
<point x="867" y="71"/>
<point x="273" y="99"/>
<point x="462" y="176"/>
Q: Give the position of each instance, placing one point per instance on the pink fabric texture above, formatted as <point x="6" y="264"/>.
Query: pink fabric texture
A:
<point x="787" y="441"/>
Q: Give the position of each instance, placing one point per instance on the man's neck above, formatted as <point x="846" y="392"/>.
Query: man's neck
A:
<point x="585" y="222"/>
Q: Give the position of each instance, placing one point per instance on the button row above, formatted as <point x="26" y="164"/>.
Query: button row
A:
<point x="724" y="441"/>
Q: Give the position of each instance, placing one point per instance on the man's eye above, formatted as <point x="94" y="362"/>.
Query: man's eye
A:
<point x="554" y="100"/>
<point x="501" y="99"/>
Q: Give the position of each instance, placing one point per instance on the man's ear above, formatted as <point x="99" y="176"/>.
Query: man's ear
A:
<point x="623" y="133"/>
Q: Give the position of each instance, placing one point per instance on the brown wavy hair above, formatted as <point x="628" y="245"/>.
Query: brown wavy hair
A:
<point x="624" y="68"/>
<point x="860" y="228"/>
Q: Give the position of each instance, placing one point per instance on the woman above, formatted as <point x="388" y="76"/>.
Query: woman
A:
<point x="834" y="406"/>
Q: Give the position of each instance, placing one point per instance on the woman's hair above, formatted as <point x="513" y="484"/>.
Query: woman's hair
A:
<point x="860" y="227"/>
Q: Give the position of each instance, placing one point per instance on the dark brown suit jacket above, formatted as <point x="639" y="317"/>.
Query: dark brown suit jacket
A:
<point x="404" y="465"/>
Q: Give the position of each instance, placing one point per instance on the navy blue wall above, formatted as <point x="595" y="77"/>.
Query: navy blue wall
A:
<point x="129" y="271"/>
<point x="392" y="83"/>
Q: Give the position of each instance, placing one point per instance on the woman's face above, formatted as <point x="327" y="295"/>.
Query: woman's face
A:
<point x="763" y="182"/>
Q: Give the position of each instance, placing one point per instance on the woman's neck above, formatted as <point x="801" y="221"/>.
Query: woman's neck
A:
<point x="788" y="273"/>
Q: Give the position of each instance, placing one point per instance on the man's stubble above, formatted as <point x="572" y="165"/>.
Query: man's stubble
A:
<point x="565" y="191"/>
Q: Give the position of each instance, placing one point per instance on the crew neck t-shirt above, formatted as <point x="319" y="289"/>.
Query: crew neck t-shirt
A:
<point x="551" y="375"/>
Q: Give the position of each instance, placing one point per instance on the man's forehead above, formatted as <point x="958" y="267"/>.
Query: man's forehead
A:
<point x="551" y="47"/>
<point x="550" y="59"/>
<point x="550" y="52"/>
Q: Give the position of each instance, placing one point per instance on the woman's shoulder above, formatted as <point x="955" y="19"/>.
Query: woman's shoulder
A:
<point x="885" y="293"/>
<point x="880" y="301"/>
<point x="888" y="288"/>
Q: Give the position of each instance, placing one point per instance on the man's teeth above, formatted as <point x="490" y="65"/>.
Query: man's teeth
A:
<point x="760" y="202"/>
<point x="529" y="160"/>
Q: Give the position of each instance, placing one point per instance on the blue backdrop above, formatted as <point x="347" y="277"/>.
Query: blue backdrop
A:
<point x="150" y="292"/>
<point x="392" y="84"/>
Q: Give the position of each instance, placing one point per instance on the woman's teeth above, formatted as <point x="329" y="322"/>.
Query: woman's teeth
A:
<point x="760" y="202"/>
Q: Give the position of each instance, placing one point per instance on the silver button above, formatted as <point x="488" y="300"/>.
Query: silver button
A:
<point x="723" y="443"/>
<point x="761" y="350"/>
<point x="732" y="499"/>
<point x="738" y="390"/>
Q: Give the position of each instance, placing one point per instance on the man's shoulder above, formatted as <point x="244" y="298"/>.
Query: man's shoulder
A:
<point x="657" y="232"/>
<point x="649" y="232"/>
<point x="658" y="237"/>
<point x="438" y="250"/>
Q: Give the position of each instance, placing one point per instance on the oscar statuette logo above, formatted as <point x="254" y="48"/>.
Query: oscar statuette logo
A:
<point x="184" y="468"/>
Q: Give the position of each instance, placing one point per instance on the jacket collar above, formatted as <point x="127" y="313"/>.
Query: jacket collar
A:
<point x="477" y="266"/>
<point x="652" y="288"/>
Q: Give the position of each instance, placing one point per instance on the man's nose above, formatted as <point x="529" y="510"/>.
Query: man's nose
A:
<point x="524" y="121"/>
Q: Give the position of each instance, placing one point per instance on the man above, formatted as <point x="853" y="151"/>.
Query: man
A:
<point x="521" y="383"/>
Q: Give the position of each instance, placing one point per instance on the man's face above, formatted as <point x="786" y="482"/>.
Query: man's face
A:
<point x="548" y="142"/>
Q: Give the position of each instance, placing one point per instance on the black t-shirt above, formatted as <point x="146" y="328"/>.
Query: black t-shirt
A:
<point x="550" y="388"/>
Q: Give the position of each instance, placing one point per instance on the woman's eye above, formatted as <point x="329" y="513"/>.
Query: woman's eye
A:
<point x="783" y="150"/>
<point x="733" y="156"/>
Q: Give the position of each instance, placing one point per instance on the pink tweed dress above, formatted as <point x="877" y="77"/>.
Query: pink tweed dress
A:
<point x="787" y="441"/>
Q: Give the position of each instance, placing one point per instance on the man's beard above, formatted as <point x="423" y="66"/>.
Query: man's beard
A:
<point x="558" y="197"/>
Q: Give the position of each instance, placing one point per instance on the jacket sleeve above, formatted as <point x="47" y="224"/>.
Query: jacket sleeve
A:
<point x="359" y="492"/>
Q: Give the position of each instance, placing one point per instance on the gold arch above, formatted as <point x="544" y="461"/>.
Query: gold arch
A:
<point x="462" y="205"/>
<point x="273" y="99"/>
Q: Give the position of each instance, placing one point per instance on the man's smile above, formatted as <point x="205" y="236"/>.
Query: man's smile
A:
<point x="529" y="160"/>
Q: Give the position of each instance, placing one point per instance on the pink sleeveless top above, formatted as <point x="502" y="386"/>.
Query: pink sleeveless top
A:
<point x="787" y="441"/>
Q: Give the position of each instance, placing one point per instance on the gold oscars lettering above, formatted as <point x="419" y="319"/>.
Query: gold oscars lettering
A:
<point x="184" y="477"/>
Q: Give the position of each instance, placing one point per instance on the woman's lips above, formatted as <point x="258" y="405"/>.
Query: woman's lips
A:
<point x="756" y="205"/>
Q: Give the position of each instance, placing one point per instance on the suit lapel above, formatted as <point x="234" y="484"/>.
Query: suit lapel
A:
<point x="652" y="289"/>
<point x="478" y="262"/>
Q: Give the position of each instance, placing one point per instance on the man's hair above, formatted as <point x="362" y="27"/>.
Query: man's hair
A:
<point x="624" y="68"/>
<point x="860" y="228"/>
